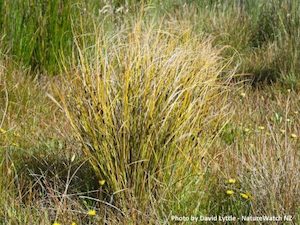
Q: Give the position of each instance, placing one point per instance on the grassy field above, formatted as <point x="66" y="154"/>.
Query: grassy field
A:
<point x="149" y="112"/>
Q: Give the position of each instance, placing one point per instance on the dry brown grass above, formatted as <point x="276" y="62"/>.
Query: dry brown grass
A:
<point x="264" y="161"/>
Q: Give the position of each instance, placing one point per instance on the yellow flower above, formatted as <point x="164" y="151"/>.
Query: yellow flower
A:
<point x="231" y="181"/>
<point x="246" y="130"/>
<point x="244" y="195"/>
<point x="92" y="212"/>
<point x="261" y="127"/>
<point x="230" y="192"/>
<point x="101" y="182"/>
<point x="293" y="135"/>
<point x="73" y="223"/>
<point x="56" y="223"/>
<point x="243" y="94"/>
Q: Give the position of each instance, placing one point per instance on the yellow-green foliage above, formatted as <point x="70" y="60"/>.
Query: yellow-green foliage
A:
<point x="145" y="92"/>
<point x="141" y="102"/>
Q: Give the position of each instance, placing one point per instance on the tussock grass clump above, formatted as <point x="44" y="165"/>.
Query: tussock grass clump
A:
<point x="141" y="102"/>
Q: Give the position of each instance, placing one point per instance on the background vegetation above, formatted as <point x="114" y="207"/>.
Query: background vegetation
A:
<point x="129" y="112"/>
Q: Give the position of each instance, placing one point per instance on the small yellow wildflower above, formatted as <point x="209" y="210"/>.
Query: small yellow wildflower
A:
<point x="294" y="136"/>
<point x="244" y="195"/>
<point x="73" y="223"/>
<point x="231" y="181"/>
<point x="92" y="212"/>
<point x="243" y="94"/>
<point x="101" y="182"/>
<point x="246" y="130"/>
<point x="230" y="192"/>
<point x="56" y="223"/>
<point x="261" y="127"/>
